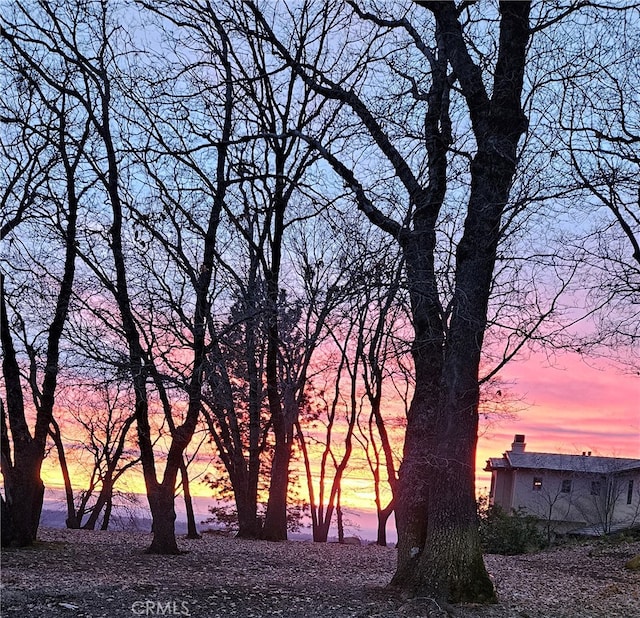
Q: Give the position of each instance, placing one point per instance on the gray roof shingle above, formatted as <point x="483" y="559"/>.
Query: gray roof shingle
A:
<point x="569" y="463"/>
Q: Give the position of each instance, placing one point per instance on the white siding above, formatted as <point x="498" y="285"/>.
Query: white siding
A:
<point x="575" y="508"/>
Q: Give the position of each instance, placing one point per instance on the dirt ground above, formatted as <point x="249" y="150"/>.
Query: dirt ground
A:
<point x="78" y="573"/>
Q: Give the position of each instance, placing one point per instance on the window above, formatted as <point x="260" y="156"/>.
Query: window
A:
<point x="566" y="486"/>
<point x="630" y="492"/>
<point x="537" y="483"/>
<point x="595" y="488"/>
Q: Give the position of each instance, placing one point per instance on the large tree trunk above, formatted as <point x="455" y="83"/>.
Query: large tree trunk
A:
<point x="23" y="487"/>
<point x="452" y="566"/>
<point x="448" y="565"/>
<point x="247" y="509"/>
<point x="439" y="551"/>
<point x="411" y="490"/>
<point x="163" y="513"/>
<point x="275" y="524"/>
<point x="24" y="495"/>
<point x="411" y="497"/>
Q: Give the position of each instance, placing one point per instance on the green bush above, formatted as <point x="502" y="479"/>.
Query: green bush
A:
<point x="508" y="534"/>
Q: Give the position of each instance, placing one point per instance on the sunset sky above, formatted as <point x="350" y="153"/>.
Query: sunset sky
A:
<point x="570" y="408"/>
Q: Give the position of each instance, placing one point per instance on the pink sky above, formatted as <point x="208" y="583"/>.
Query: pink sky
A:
<point x="570" y="408"/>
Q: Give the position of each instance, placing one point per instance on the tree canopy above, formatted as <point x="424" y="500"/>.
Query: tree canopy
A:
<point x="249" y="219"/>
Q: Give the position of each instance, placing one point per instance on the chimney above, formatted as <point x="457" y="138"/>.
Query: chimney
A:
<point x="518" y="443"/>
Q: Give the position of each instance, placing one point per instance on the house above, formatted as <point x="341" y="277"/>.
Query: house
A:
<point x="568" y="493"/>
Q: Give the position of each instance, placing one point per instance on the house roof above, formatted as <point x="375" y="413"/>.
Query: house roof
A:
<point x="569" y="463"/>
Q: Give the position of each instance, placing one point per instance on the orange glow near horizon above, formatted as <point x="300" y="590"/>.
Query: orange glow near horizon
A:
<point x="568" y="410"/>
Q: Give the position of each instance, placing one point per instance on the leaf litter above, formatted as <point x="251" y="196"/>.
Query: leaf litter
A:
<point x="96" y="574"/>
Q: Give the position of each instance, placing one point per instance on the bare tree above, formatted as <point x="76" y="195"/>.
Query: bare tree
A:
<point x="598" y="113"/>
<point x="553" y="503"/>
<point x="613" y="500"/>
<point x="43" y="189"/>
<point x="269" y="199"/>
<point x="233" y="404"/>
<point x="442" y="420"/>
<point x="104" y="414"/>
<point x="378" y="359"/>
<point x="88" y="40"/>
<point x="338" y="406"/>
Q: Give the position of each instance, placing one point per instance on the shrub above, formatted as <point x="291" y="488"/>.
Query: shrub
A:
<point x="508" y="534"/>
<point x="225" y="516"/>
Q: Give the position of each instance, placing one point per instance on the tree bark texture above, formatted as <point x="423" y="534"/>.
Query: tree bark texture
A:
<point x="439" y="552"/>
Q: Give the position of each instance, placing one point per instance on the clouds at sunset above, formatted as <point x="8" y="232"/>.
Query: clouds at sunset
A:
<point x="570" y="408"/>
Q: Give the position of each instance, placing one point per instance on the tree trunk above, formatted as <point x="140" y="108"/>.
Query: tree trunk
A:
<point x="72" y="522"/>
<point x="438" y="547"/>
<point x="5" y="523"/>
<point x="439" y="552"/>
<point x="103" y="498"/>
<point x="313" y="507"/>
<point x="192" y="530"/>
<point x="23" y="487"/>
<point x="383" y="518"/>
<point x="24" y="495"/>
<point x="321" y="532"/>
<point x="275" y="524"/>
<point x="450" y="565"/>
<point x="411" y="488"/>
<point x="161" y="502"/>
<point x="108" y="508"/>
<point x="247" y="509"/>
<point x="339" y="519"/>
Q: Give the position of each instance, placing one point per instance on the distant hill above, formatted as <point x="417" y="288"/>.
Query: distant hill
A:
<point x="52" y="518"/>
